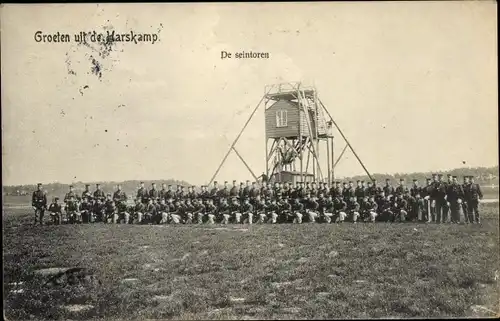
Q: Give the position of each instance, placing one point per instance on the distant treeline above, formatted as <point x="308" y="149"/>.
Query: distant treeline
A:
<point x="483" y="175"/>
<point x="129" y="187"/>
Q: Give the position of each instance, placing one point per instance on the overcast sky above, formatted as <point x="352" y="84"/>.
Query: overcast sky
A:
<point x="412" y="85"/>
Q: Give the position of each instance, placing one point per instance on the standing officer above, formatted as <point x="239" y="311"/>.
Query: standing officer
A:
<point x="153" y="192"/>
<point x="388" y="189"/>
<point x="455" y="195"/>
<point x="99" y="193"/>
<point x="214" y="192"/>
<point x="359" y="191"/>
<point x="234" y="192"/>
<point x="401" y="190"/>
<point x="465" y="206"/>
<point x="163" y="191"/>
<point x="417" y="201"/>
<point x="473" y="202"/>
<point x="120" y="199"/>
<point x="440" y="195"/>
<point x="142" y="194"/>
<point x="39" y="203"/>
<point x="429" y="201"/>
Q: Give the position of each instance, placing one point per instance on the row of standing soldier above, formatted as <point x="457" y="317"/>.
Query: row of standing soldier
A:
<point x="279" y="203"/>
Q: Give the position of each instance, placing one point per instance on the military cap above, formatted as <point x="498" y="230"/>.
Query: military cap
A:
<point x="234" y="181"/>
<point x="248" y="180"/>
<point x="454" y="176"/>
<point x="350" y="181"/>
<point x="449" y="175"/>
<point x="87" y="185"/>
<point x="344" y="183"/>
<point x="401" y="179"/>
<point x="225" y="182"/>
<point x="39" y="184"/>
<point x="337" y="182"/>
<point x="71" y="186"/>
<point x="434" y="174"/>
<point x="108" y="194"/>
<point x="415" y="180"/>
<point x="387" y="179"/>
<point x="362" y="181"/>
<point x="428" y="178"/>
<point x="153" y="183"/>
<point x="215" y="182"/>
<point x="142" y="182"/>
<point x="440" y="175"/>
<point x="358" y="181"/>
<point x="56" y="198"/>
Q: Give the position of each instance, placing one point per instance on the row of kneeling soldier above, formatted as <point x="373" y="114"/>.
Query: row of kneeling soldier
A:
<point x="438" y="201"/>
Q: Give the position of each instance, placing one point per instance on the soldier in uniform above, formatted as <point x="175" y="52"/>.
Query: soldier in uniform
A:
<point x="150" y="212"/>
<point x="99" y="194"/>
<point x="86" y="205"/>
<point x="400" y="208"/>
<point x="142" y="194"/>
<point x="287" y="190"/>
<point x="455" y="196"/>
<point x="327" y="208"/>
<point x="370" y="208"/>
<point x="247" y="211"/>
<point x="465" y="187"/>
<point x="234" y="192"/>
<point x="440" y="197"/>
<point x="199" y="211"/>
<point x="224" y="211"/>
<point x="298" y="211"/>
<point x="225" y="192"/>
<point x="247" y="189"/>
<point x="339" y="206"/>
<point x="139" y="210"/>
<point x="416" y="201"/>
<point x="401" y="189"/>
<point x="214" y="193"/>
<point x="429" y="202"/>
<point x="284" y="211"/>
<point x="359" y="192"/>
<point x="388" y="189"/>
<point x="234" y="211"/>
<point x="241" y="191"/>
<point x="120" y="199"/>
<point x="261" y="211"/>
<point x="163" y="192"/>
<point x="273" y="211"/>
<point x="376" y="188"/>
<point x="192" y="193"/>
<point x="353" y="210"/>
<point x="204" y="194"/>
<point x="266" y="191"/>
<point x="351" y="191"/>
<point x="71" y="207"/>
<point x="211" y="211"/>
<point x="169" y="194"/>
<point x="370" y="191"/>
<point x="254" y="193"/>
<point x="110" y="214"/>
<point x="55" y="211"/>
<point x="475" y="194"/>
<point x="345" y="191"/>
<point x="39" y="203"/>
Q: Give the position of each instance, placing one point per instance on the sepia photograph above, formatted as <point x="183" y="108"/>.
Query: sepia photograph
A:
<point x="250" y="160"/>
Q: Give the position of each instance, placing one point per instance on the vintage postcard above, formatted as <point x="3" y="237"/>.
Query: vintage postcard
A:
<point x="290" y="160"/>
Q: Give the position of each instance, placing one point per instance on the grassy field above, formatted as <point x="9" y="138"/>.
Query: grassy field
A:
<point x="253" y="272"/>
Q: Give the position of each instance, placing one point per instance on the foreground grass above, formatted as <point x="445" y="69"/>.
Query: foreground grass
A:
<point x="255" y="272"/>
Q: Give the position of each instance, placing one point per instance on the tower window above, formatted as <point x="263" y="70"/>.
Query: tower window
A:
<point x="281" y="118"/>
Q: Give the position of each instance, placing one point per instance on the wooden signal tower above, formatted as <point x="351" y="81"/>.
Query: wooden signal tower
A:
<point x="296" y="129"/>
